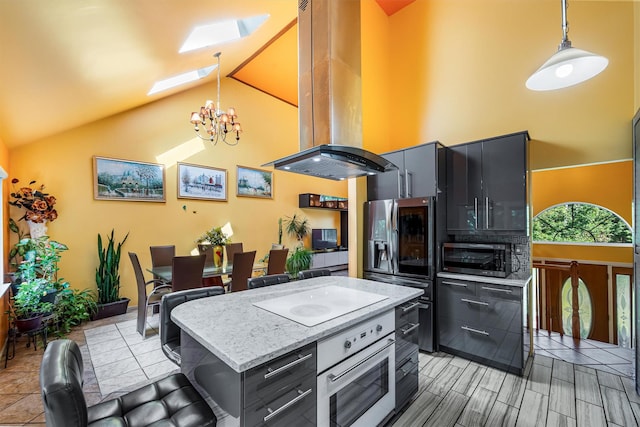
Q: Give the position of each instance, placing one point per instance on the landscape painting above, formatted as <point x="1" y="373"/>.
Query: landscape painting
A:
<point x="254" y="183"/>
<point x="201" y="182"/>
<point x="128" y="180"/>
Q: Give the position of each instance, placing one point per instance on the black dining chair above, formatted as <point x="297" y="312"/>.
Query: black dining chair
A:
<point x="277" y="261"/>
<point x="162" y="256"/>
<point x="232" y="249"/>
<point x="146" y="298"/>
<point x="169" y="331"/>
<point x="262" y="281"/>
<point x="186" y="272"/>
<point x="318" y="272"/>
<point x="242" y="270"/>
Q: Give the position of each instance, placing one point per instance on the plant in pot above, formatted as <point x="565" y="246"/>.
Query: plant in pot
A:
<point x="300" y="258"/>
<point x="108" y="279"/>
<point x="217" y="239"/>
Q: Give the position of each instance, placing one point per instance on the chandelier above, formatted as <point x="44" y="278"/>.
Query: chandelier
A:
<point x="219" y="123"/>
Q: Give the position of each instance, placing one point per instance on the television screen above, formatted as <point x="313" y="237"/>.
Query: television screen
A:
<point x="324" y="238"/>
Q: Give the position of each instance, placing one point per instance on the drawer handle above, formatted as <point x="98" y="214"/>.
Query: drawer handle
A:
<point x="301" y="395"/>
<point x="334" y="378"/>
<point x="444" y="282"/>
<point x="477" y="331"/>
<point x="506" y="291"/>
<point x="411" y="328"/>
<point x="411" y="307"/>
<point x="470" y="301"/>
<point x="272" y="372"/>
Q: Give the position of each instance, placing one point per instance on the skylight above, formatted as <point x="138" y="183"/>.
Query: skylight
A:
<point x="221" y="32"/>
<point x="181" y="79"/>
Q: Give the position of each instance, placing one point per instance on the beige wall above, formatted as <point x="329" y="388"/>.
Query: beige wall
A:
<point x="459" y="72"/>
<point x="64" y="164"/>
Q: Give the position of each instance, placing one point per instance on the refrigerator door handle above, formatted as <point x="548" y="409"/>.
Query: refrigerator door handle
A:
<point x="393" y="235"/>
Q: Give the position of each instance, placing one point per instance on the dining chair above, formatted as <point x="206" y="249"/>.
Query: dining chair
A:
<point x="186" y="272"/>
<point x="169" y="331"/>
<point x="242" y="270"/>
<point x="232" y="249"/>
<point x="262" y="281"/>
<point x="318" y="272"/>
<point x="146" y="299"/>
<point x="162" y="256"/>
<point x="277" y="261"/>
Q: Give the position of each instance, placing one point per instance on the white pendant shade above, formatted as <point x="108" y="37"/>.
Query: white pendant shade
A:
<point x="567" y="67"/>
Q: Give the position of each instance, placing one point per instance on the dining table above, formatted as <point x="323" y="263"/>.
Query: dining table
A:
<point x="164" y="272"/>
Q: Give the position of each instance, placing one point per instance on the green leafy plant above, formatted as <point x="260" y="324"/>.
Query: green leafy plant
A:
<point x="73" y="306"/>
<point x="297" y="227"/>
<point x="214" y="237"/>
<point x="27" y="303"/>
<point x="300" y="259"/>
<point x="107" y="272"/>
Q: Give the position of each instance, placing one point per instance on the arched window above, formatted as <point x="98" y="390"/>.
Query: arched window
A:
<point x="580" y="223"/>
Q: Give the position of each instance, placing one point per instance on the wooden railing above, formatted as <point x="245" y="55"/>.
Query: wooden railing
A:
<point x="572" y="268"/>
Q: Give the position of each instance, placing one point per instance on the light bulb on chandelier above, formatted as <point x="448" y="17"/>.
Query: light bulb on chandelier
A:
<point x="219" y="123"/>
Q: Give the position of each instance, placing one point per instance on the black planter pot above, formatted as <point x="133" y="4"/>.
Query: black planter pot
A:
<point x="30" y="324"/>
<point x="111" y="309"/>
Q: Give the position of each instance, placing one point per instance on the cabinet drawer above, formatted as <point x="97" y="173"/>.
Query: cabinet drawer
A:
<point x="456" y="287"/>
<point x="406" y="342"/>
<point x="488" y="313"/>
<point x="482" y="342"/>
<point x="406" y="380"/>
<point x="406" y="314"/>
<point x="297" y="406"/>
<point x="511" y="293"/>
<point x="271" y="379"/>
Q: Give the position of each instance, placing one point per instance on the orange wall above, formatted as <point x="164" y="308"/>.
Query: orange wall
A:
<point x="64" y="164"/>
<point x="609" y="185"/>
<point x="458" y="72"/>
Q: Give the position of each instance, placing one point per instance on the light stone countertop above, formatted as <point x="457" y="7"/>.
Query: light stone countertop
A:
<point x="245" y="336"/>
<point x="486" y="279"/>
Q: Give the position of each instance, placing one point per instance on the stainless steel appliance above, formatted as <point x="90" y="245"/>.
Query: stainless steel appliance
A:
<point x="484" y="259"/>
<point x="399" y="249"/>
<point x="356" y="374"/>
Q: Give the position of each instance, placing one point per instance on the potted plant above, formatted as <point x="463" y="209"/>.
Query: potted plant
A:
<point x="217" y="239"/>
<point x="300" y="258"/>
<point x="108" y="279"/>
<point x="38" y="205"/>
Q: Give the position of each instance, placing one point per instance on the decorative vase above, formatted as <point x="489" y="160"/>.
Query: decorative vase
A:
<point x="218" y="256"/>
<point x="37" y="229"/>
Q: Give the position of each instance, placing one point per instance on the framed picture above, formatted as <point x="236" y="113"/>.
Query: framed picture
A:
<point x="201" y="182"/>
<point x="254" y="183"/>
<point x="128" y="180"/>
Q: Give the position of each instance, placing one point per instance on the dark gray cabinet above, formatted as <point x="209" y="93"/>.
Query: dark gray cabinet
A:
<point x="407" y="325"/>
<point x="483" y="322"/>
<point x="487" y="185"/>
<point x="416" y="175"/>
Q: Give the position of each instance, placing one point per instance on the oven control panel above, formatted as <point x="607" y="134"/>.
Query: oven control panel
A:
<point x="347" y="342"/>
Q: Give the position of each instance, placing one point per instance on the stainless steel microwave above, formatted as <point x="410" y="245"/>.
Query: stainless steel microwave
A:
<point x="483" y="259"/>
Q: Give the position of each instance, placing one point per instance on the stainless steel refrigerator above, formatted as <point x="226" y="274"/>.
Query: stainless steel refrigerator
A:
<point x="399" y="249"/>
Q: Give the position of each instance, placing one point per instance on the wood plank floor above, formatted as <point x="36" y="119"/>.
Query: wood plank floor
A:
<point x="456" y="392"/>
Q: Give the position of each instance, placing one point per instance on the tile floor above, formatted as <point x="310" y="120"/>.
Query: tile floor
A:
<point x="453" y="391"/>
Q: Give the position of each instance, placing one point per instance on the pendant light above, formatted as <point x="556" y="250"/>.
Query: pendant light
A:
<point x="567" y="67"/>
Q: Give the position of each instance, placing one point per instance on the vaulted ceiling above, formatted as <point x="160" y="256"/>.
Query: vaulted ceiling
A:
<point x="65" y="63"/>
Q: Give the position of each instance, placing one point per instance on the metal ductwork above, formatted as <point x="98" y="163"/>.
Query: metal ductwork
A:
<point x="330" y="94"/>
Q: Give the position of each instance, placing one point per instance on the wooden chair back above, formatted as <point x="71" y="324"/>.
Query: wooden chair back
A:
<point x="186" y="272"/>
<point x="242" y="270"/>
<point x="232" y="249"/>
<point x="277" y="261"/>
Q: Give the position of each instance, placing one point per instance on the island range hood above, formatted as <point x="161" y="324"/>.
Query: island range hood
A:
<point x="330" y="95"/>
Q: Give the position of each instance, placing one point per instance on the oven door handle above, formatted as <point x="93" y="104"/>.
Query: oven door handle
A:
<point x="334" y="378"/>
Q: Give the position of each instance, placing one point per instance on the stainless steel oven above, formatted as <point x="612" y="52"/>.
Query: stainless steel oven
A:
<point x="356" y="380"/>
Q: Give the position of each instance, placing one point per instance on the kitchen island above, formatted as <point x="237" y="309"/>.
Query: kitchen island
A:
<point x="227" y="340"/>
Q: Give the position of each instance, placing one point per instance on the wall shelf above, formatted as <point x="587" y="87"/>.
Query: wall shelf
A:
<point x="319" y="201"/>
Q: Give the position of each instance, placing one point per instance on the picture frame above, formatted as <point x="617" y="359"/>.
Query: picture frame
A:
<point x="128" y="180"/>
<point x="251" y="182"/>
<point x="201" y="182"/>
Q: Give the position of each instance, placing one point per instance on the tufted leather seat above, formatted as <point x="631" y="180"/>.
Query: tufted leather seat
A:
<point x="271" y="279"/>
<point x="308" y="274"/>
<point x="171" y="401"/>
<point x="169" y="331"/>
